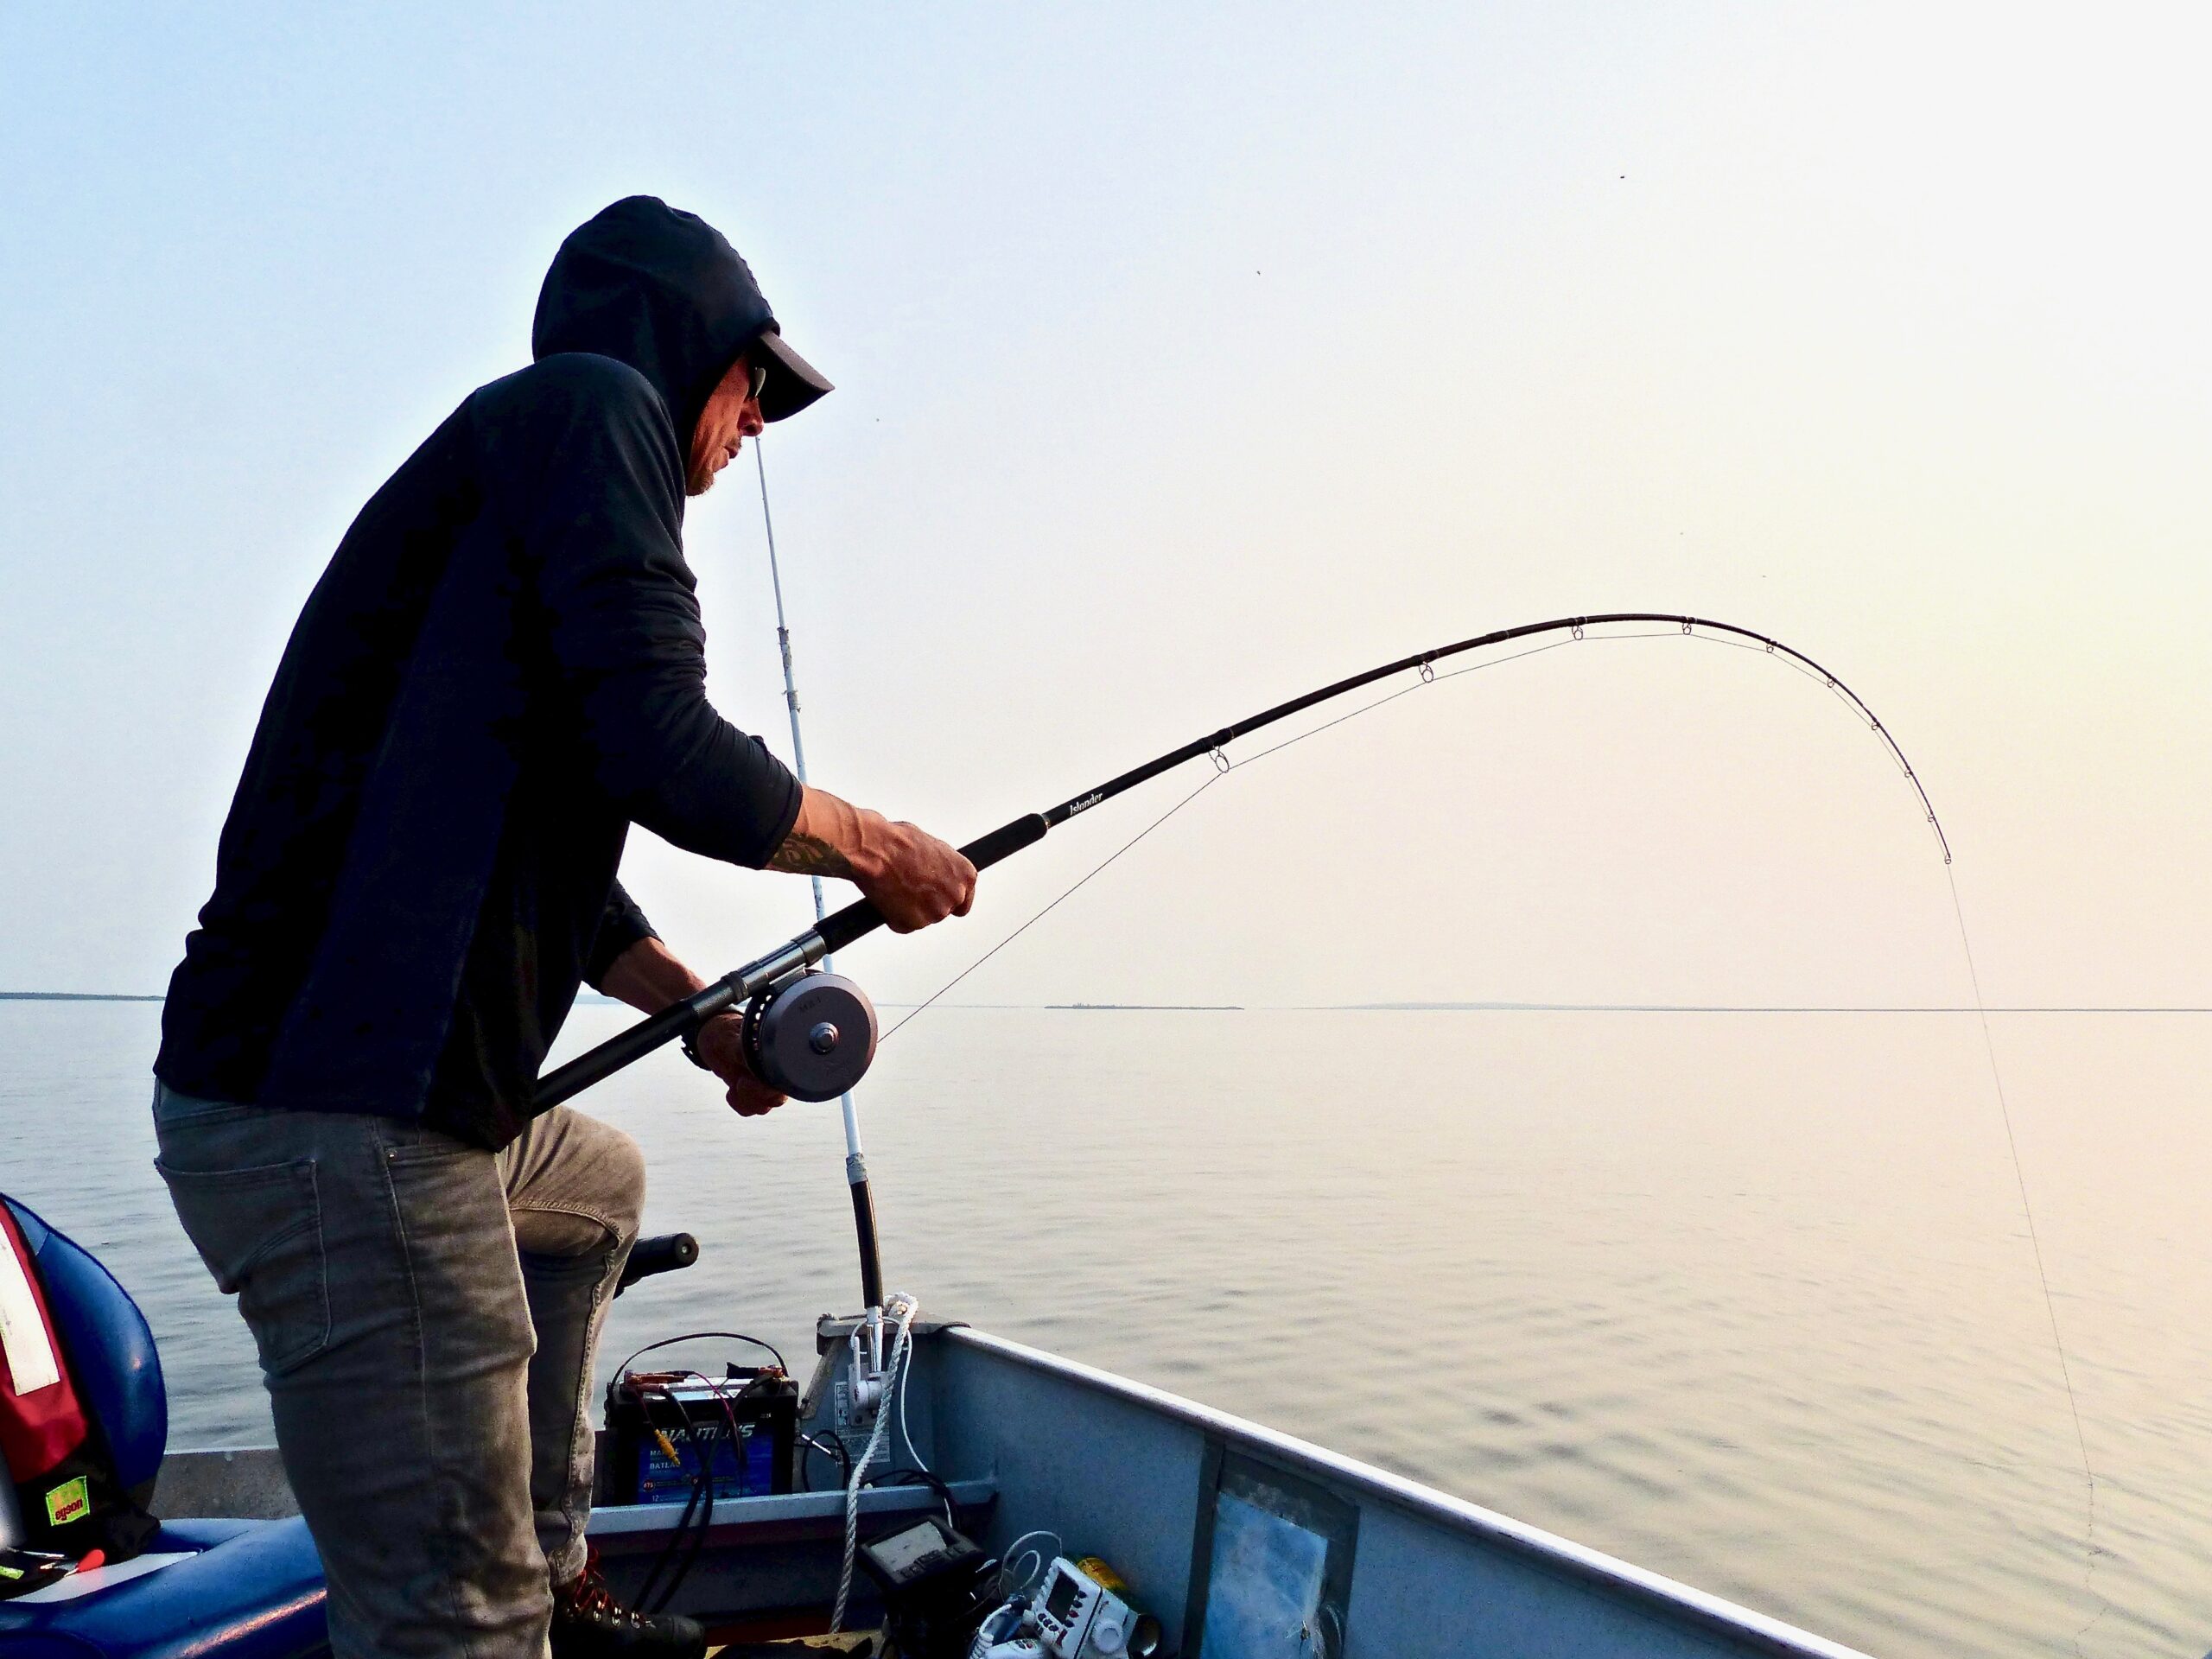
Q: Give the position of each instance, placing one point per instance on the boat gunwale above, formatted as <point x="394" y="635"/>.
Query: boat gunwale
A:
<point x="1637" y="1584"/>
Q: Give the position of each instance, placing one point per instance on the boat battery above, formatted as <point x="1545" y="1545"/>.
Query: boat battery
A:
<point x="661" y="1424"/>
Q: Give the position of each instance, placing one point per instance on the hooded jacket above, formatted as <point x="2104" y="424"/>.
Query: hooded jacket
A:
<point x="502" y="669"/>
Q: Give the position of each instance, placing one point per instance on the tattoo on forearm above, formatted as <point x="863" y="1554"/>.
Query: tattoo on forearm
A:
<point x="802" y="854"/>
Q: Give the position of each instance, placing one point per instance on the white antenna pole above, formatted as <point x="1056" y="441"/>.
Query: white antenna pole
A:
<point x="856" y="1159"/>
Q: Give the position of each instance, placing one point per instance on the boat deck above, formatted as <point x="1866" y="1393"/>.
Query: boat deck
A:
<point x="1243" y="1541"/>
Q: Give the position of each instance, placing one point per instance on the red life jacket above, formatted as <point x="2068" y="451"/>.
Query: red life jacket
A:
<point x="65" y="1489"/>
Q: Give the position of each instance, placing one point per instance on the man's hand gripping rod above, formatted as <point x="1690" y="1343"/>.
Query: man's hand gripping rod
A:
<point x="780" y="967"/>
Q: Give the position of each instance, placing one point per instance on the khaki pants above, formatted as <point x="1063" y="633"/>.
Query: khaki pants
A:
<point x="426" y="1314"/>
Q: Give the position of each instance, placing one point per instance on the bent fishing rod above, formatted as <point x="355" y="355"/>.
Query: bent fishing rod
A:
<point x="812" y="1034"/>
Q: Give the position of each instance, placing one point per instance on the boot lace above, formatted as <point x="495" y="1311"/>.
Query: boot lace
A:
<point x="587" y="1597"/>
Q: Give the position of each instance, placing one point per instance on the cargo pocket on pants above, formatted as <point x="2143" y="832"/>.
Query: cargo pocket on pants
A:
<point x="260" y="1232"/>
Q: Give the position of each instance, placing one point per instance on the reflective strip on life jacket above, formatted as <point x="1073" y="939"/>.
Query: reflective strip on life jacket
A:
<point x="42" y="1422"/>
<point x="25" y="1343"/>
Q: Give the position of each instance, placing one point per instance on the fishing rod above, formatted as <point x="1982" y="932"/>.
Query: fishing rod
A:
<point x="812" y="1034"/>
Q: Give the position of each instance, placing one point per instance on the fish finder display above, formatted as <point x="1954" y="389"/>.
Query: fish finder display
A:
<point x="1061" y="1602"/>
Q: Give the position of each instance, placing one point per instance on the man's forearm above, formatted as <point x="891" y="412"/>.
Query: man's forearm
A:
<point x="912" y="877"/>
<point x="829" y="837"/>
<point x="649" y="976"/>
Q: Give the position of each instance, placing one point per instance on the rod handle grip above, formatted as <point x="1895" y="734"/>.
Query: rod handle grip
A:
<point x="1006" y="841"/>
<point x="634" y="1044"/>
<point x="841" y="927"/>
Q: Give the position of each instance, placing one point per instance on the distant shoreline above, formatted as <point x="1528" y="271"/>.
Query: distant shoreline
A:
<point x="1327" y="1007"/>
<point x="74" y="996"/>
<point x="1144" y="1008"/>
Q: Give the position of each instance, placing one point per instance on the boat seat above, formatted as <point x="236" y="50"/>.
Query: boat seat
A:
<point x="204" y="1589"/>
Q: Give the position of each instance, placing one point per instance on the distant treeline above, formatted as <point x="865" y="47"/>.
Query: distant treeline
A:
<point x="72" y="997"/>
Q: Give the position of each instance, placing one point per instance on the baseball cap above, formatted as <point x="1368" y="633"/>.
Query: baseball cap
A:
<point x="792" y="382"/>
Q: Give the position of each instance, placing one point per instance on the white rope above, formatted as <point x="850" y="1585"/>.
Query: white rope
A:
<point x="908" y="1307"/>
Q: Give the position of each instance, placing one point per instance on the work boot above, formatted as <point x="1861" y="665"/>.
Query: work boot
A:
<point x="590" y="1624"/>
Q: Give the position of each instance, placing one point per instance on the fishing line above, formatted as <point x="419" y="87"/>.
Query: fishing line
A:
<point x="1048" y="909"/>
<point x="1223" y="765"/>
<point x="783" y="975"/>
<point x="2035" y="1245"/>
<point x="1222" y="769"/>
<point x="767" y="980"/>
<point x="1500" y="662"/>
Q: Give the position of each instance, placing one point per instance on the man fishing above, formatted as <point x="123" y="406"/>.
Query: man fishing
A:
<point x="500" y="671"/>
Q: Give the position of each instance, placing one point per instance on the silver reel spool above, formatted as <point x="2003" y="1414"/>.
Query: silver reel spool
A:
<point x="812" y="1038"/>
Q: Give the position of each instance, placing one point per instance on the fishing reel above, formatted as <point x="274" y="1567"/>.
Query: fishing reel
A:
<point x="812" y="1037"/>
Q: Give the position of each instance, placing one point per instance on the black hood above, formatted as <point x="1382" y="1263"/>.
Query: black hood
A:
<point x="663" y="291"/>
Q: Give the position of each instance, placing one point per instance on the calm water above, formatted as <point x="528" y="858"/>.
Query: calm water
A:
<point x="1745" y="1298"/>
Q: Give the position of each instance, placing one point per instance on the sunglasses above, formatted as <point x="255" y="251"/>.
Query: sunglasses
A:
<point x="760" y="382"/>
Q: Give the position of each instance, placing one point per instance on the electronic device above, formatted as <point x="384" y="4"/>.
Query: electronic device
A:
<point x="1082" y="1613"/>
<point x="904" y="1560"/>
<point x="663" y="1426"/>
<point x="936" y="1585"/>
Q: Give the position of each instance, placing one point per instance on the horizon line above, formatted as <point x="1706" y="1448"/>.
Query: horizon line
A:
<point x="1409" y="1007"/>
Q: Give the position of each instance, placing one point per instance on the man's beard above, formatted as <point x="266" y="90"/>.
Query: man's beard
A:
<point x="698" y="481"/>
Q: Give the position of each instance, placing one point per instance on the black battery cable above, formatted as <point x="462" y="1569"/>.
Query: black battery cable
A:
<point x="910" y="1477"/>
<point x="700" y="1500"/>
<point x="646" y="1392"/>
<point x="707" y="1336"/>
<point x="829" y="1448"/>
<point x="705" y="1488"/>
<point x="703" y="1492"/>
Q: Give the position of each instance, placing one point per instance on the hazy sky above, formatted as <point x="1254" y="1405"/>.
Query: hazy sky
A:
<point x="1188" y="357"/>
